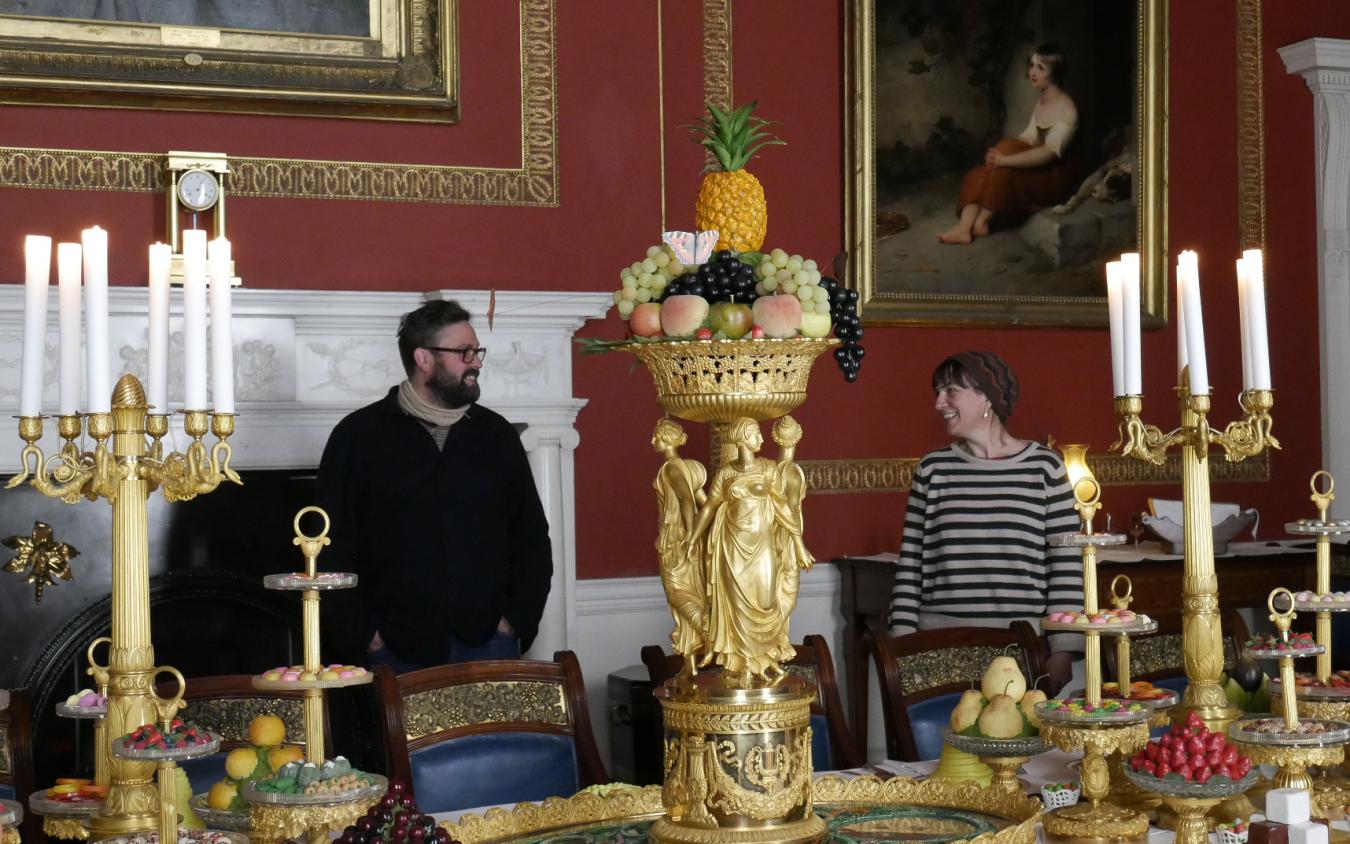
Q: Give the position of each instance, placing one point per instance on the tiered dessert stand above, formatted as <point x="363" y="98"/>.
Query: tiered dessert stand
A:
<point x="1191" y="801"/>
<point x="166" y="760"/>
<point x="97" y="714"/>
<point x="1290" y="743"/>
<point x="1005" y="755"/>
<point x="1323" y="700"/>
<point x="11" y="815"/>
<point x="275" y="817"/>
<point x="1086" y="727"/>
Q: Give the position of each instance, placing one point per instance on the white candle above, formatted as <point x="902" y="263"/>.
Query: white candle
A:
<point x="68" y="259"/>
<point x="1188" y="276"/>
<point x="1129" y="307"/>
<point x="1244" y="323"/>
<point x="1113" y="308"/>
<point x="194" y="319"/>
<point x="1256" y="319"/>
<point x="95" y="240"/>
<point x="161" y="256"/>
<point x="222" y="348"/>
<point x="1181" y="330"/>
<point x="37" y="256"/>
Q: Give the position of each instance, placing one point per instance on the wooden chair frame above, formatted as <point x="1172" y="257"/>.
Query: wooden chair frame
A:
<point x="886" y="650"/>
<point x="814" y="651"/>
<point x="564" y="670"/>
<point x="227" y="687"/>
<point x="17" y="722"/>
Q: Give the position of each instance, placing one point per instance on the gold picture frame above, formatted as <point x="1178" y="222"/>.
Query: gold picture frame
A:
<point x="953" y="294"/>
<point x="404" y="66"/>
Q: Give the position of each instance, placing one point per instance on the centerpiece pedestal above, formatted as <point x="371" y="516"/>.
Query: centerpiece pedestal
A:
<point x="738" y="762"/>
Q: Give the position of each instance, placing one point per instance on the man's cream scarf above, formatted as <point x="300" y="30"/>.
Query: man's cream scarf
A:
<point x="434" y="415"/>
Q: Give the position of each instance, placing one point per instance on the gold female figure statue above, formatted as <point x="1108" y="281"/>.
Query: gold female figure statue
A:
<point x="752" y="587"/>
<point x="679" y="494"/>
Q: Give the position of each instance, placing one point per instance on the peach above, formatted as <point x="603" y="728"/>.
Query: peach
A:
<point x="645" y="321"/>
<point x="780" y="316"/>
<point x="682" y="315"/>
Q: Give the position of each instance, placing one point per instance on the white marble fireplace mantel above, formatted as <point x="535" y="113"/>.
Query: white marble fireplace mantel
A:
<point x="304" y="359"/>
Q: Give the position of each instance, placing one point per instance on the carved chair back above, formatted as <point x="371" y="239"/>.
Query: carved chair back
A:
<point x="226" y="705"/>
<point x="833" y="746"/>
<point x="923" y="675"/>
<point x="16" y="758"/>
<point x="483" y="733"/>
<point x="1158" y="658"/>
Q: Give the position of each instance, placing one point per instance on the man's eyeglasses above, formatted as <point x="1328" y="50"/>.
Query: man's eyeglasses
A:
<point x="468" y="354"/>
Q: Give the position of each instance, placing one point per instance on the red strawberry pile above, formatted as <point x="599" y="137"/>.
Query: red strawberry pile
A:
<point x="395" y="819"/>
<point x="1193" y="753"/>
<point x="149" y="737"/>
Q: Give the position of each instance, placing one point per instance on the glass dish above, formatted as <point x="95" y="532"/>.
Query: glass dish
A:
<point x="11" y="813"/>
<point x="1292" y="653"/>
<point x="375" y="788"/>
<point x="1312" y="692"/>
<point x="42" y="805"/>
<point x="1136" y="627"/>
<point x="93" y="712"/>
<point x="218" y="818"/>
<point x="299" y="581"/>
<point x="1317" y="527"/>
<point x="1203" y="790"/>
<point x="985" y="746"/>
<point x="1337" y="732"/>
<point x="170" y="754"/>
<point x="1047" y="711"/>
<point x="185" y="836"/>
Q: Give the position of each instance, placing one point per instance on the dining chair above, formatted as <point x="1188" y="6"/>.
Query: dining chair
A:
<point x="226" y="705"/>
<point x="832" y="741"/>
<point x="923" y="675"/>
<point x="489" y="732"/>
<point x="16" y="758"/>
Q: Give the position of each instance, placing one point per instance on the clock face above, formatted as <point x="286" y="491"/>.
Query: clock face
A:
<point x="198" y="189"/>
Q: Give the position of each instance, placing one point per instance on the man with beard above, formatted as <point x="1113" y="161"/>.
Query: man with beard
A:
<point x="433" y="505"/>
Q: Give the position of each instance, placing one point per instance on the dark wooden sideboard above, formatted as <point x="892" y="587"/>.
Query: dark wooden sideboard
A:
<point x="1246" y="576"/>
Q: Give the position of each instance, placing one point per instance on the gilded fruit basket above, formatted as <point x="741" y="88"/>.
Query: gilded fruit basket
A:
<point x="723" y="380"/>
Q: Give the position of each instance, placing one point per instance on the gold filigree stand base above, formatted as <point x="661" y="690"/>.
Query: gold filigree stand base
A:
<point x="1293" y="763"/>
<point x="809" y="829"/>
<point x="276" y="823"/>
<point x="9" y="836"/>
<point x="737" y="761"/>
<point x="1005" y="772"/>
<point x="69" y="829"/>
<point x="1192" y="825"/>
<point x="1095" y="823"/>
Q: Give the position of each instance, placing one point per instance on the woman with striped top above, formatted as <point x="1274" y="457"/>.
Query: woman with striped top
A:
<point x="975" y="549"/>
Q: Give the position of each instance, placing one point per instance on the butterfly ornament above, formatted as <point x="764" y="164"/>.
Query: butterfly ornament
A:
<point x="692" y="248"/>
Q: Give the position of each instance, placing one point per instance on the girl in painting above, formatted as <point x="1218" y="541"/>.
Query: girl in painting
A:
<point x="1028" y="172"/>
<point x="679" y="495"/>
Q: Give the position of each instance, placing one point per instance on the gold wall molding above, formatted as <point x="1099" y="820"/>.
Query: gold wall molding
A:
<point x="1251" y="127"/>
<point x="534" y="183"/>
<point x="837" y="477"/>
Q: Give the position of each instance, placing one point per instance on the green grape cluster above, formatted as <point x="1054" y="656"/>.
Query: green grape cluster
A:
<point x="780" y="273"/>
<point x="646" y="280"/>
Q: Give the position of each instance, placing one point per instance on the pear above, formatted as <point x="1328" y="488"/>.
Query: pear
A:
<point x="1001" y="718"/>
<point x="967" y="709"/>
<point x="1003" y="677"/>
<point x="1028" y="704"/>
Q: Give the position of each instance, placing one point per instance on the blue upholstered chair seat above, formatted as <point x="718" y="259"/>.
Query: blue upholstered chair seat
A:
<point x="927" y="720"/>
<point x="822" y="755"/>
<point x="205" y="772"/>
<point x="7" y="792"/>
<point x="486" y="770"/>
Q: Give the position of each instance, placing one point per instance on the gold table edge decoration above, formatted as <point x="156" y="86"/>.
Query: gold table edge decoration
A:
<point x="556" y="813"/>
<point x="279" y="821"/>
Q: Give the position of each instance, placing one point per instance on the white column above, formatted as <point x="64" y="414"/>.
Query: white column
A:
<point x="548" y="450"/>
<point x="1324" y="63"/>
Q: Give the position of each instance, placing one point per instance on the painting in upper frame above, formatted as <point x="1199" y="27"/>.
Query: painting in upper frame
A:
<point x="1002" y="152"/>
<point x="372" y="59"/>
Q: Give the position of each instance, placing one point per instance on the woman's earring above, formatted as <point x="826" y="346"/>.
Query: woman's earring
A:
<point x="986" y="414"/>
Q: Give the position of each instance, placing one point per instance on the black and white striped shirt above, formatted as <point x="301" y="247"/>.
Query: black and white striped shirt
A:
<point x="975" y="544"/>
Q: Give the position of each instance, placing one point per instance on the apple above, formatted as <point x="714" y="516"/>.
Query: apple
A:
<point x="645" y="320"/>
<point x="682" y="315"/>
<point x="733" y="319"/>
<point x="780" y="315"/>
<point x="815" y="325"/>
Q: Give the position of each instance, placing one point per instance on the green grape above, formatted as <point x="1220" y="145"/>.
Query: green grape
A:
<point x="675" y="268"/>
<point x="653" y="251"/>
<point x="794" y="263"/>
<point x="662" y="258"/>
<point x="820" y="294"/>
<point x="804" y="293"/>
<point x="626" y="309"/>
<point x="802" y="277"/>
<point x="760" y="289"/>
<point x="789" y="286"/>
<point x="630" y="281"/>
<point x="645" y="280"/>
<point x="629" y="293"/>
<point x="644" y="294"/>
<point x="779" y="258"/>
<point x="649" y="266"/>
<point x="810" y="264"/>
<point x="635" y="268"/>
<point x="823" y="307"/>
<point x="770" y="284"/>
<point x="618" y="296"/>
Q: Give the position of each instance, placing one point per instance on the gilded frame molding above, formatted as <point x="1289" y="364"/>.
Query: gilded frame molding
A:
<point x="535" y="183"/>
<point x="880" y="307"/>
<point x="406" y="69"/>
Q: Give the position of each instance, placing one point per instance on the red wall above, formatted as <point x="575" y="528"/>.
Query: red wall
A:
<point x="787" y="56"/>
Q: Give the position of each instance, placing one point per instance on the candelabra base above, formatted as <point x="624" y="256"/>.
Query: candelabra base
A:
<point x="808" y="829"/>
<point x="1095" y="823"/>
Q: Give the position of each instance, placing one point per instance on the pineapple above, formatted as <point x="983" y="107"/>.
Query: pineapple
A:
<point x="731" y="200"/>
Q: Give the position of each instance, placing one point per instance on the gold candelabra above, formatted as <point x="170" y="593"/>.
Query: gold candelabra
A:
<point x="1202" y="632"/>
<point x="124" y="473"/>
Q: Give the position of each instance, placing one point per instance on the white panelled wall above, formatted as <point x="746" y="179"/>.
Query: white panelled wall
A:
<point x="305" y="359"/>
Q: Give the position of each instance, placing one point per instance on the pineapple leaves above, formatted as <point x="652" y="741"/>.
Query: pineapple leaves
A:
<point x="734" y="136"/>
